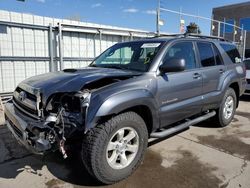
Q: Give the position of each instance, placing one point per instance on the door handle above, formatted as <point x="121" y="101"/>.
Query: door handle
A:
<point x="197" y="75"/>
<point x="222" y="71"/>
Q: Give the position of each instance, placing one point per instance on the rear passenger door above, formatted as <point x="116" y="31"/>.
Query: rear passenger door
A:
<point x="212" y="70"/>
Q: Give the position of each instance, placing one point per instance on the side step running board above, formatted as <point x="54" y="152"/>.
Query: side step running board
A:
<point x="182" y="126"/>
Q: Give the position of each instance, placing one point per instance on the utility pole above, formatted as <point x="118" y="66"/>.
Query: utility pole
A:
<point x="158" y="18"/>
<point x="180" y="14"/>
<point x="198" y="21"/>
<point x="224" y="27"/>
<point x="182" y="22"/>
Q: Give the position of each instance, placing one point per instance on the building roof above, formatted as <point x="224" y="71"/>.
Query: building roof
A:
<point x="233" y="6"/>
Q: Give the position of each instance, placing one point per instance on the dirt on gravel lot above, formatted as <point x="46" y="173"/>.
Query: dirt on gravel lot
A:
<point x="203" y="156"/>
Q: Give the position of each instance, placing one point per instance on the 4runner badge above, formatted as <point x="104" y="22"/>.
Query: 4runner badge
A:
<point x="22" y="96"/>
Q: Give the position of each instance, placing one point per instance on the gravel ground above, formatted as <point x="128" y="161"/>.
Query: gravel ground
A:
<point x="204" y="156"/>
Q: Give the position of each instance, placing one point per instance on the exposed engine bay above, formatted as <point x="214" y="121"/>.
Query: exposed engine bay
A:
<point x="65" y="116"/>
<point x="49" y="127"/>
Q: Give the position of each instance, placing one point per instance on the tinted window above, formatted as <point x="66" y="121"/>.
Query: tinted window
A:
<point x="246" y="23"/>
<point x="217" y="56"/>
<point x="224" y="28"/>
<point x="232" y="52"/>
<point x="229" y="28"/>
<point x="206" y="54"/>
<point x="182" y="50"/>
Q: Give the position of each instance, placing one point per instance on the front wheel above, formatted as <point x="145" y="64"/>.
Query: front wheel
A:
<point x="227" y="109"/>
<point x="113" y="150"/>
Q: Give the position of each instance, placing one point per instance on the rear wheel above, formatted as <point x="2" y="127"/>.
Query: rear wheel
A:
<point x="227" y="108"/>
<point x="113" y="150"/>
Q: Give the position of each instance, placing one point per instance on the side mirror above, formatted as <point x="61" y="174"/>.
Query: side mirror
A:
<point x="173" y="65"/>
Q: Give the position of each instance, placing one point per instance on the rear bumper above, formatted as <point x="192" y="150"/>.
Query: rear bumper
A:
<point x="22" y="129"/>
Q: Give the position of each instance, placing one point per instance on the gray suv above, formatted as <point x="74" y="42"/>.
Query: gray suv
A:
<point x="150" y="88"/>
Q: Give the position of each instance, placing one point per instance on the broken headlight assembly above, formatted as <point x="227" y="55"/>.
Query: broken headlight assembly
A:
<point x="65" y="118"/>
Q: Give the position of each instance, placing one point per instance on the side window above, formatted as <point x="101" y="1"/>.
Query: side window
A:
<point x="206" y="54"/>
<point x="232" y="52"/>
<point x="217" y="56"/>
<point x="182" y="50"/>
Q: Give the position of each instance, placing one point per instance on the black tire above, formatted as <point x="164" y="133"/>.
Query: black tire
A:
<point x="95" y="144"/>
<point x="220" y="119"/>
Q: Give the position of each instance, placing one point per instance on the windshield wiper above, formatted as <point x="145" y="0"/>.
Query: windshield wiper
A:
<point x="116" y="67"/>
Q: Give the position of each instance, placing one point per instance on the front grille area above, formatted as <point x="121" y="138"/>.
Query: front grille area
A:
<point x="21" y="105"/>
<point x="29" y="96"/>
<point x="27" y="103"/>
<point x="248" y="81"/>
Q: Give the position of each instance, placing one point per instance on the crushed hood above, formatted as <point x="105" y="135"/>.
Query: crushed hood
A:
<point x="72" y="80"/>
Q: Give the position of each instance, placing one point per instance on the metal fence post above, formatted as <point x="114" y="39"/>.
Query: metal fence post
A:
<point x="244" y="44"/>
<point x="60" y="45"/>
<point x="100" y="39"/>
<point x="94" y="44"/>
<point x="219" y="29"/>
<point x="51" y="49"/>
<point x="131" y="36"/>
<point x="224" y="27"/>
<point x="241" y="40"/>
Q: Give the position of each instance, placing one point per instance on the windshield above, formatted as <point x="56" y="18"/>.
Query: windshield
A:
<point x="136" y="56"/>
<point x="247" y="63"/>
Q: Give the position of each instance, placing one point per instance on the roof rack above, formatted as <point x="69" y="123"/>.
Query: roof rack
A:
<point x="179" y="35"/>
<point x="185" y="35"/>
<point x="205" y="36"/>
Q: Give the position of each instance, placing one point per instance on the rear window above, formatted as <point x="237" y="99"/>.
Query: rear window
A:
<point x="232" y="52"/>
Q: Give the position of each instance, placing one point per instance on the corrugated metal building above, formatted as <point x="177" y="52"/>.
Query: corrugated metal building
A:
<point x="31" y="45"/>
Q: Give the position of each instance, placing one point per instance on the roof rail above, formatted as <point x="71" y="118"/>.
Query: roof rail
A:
<point x="185" y="35"/>
<point x="204" y="36"/>
<point x="169" y="35"/>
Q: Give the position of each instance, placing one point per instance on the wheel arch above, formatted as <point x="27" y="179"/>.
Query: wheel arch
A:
<point x="140" y="102"/>
<point x="146" y="114"/>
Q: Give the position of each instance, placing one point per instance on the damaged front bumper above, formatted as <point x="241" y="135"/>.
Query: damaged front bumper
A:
<point x="27" y="131"/>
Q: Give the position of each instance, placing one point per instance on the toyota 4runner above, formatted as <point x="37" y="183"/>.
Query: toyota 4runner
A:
<point x="150" y="88"/>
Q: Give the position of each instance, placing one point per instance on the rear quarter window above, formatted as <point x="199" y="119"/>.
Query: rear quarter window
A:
<point x="232" y="52"/>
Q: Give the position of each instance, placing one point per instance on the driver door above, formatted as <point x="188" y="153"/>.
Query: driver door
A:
<point x="180" y="93"/>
